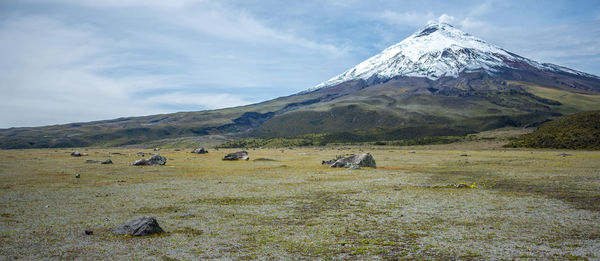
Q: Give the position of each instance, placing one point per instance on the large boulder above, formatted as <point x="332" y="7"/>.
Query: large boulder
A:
<point x="360" y="160"/>
<point x="137" y="227"/>
<point x="200" y="151"/>
<point x="240" y="155"/>
<point x="154" y="160"/>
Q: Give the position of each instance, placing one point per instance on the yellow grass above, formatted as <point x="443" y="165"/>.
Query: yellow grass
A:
<point x="522" y="204"/>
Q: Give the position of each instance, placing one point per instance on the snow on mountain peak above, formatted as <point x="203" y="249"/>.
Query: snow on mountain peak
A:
<point x="437" y="50"/>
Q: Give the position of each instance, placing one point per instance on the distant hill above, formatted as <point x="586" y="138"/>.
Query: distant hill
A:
<point x="440" y="81"/>
<point x="577" y="131"/>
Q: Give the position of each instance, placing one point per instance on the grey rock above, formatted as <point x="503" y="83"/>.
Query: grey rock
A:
<point x="361" y="160"/>
<point x="353" y="166"/>
<point x="89" y="232"/>
<point x="200" y="151"/>
<point x="141" y="154"/>
<point x="91" y="161"/>
<point x="156" y="149"/>
<point x="564" y="154"/>
<point x="328" y="162"/>
<point x="108" y="161"/>
<point x="154" y="160"/>
<point x="412" y="152"/>
<point x="76" y="154"/>
<point x="137" y="227"/>
<point x="240" y="155"/>
<point x="78" y="176"/>
<point x="464" y="155"/>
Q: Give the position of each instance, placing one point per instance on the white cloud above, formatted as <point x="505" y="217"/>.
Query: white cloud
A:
<point x="444" y="18"/>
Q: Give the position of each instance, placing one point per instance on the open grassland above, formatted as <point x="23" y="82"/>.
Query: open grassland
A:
<point x="518" y="204"/>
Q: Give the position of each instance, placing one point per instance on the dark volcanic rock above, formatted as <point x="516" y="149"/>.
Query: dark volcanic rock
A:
<point x="78" y="154"/>
<point x="108" y="161"/>
<point x="137" y="227"/>
<point x="240" y="155"/>
<point x="328" y="162"/>
<point x="89" y="232"/>
<point x="200" y="151"/>
<point x="360" y="160"/>
<point x="154" y="160"/>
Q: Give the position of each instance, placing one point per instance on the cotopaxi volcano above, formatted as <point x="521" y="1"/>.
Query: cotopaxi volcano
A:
<point x="438" y="81"/>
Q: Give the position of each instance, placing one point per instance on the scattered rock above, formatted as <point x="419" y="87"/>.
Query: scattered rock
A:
<point x="361" y="160"/>
<point x="154" y="160"/>
<point x="240" y="155"/>
<point x="89" y="232"/>
<point x="91" y="161"/>
<point x="156" y="149"/>
<point x="200" y="151"/>
<point x="78" y="176"/>
<point x="137" y="227"/>
<point x="412" y="152"/>
<point x="564" y="154"/>
<point x="141" y="154"/>
<point x="78" y="154"/>
<point x="108" y="161"/>
<point x="464" y="155"/>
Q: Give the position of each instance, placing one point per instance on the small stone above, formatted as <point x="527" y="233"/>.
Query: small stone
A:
<point x="154" y="160"/>
<point x="464" y="155"/>
<point x="142" y="226"/>
<point x="412" y="152"/>
<point x="76" y="154"/>
<point x="108" y="161"/>
<point x="240" y="155"/>
<point x="89" y="232"/>
<point x="78" y="176"/>
<point x="360" y="160"/>
<point x="200" y="151"/>
<point x="156" y="149"/>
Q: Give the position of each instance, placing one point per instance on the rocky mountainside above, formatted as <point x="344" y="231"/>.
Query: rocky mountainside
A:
<point x="438" y="81"/>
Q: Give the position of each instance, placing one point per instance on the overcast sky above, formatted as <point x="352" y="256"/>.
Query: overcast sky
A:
<point x="67" y="61"/>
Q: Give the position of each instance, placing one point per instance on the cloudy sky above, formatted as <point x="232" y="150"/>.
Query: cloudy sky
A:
<point x="66" y="61"/>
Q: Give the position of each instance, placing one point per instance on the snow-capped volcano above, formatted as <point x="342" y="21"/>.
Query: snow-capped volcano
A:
<point x="439" y="50"/>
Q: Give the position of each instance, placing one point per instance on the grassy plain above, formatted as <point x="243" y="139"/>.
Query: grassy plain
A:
<point x="519" y="204"/>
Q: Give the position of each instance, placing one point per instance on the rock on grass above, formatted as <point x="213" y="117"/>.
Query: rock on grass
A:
<point x="154" y="160"/>
<point x="137" y="227"/>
